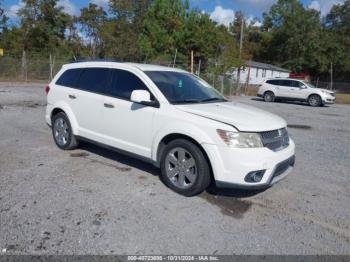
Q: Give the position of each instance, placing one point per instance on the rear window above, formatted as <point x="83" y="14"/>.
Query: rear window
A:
<point x="69" y="77"/>
<point x="94" y="79"/>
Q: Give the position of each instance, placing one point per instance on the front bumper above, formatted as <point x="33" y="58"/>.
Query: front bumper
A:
<point x="231" y="165"/>
<point x="328" y="100"/>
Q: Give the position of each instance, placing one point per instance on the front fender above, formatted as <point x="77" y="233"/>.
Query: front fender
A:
<point x="181" y="128"/>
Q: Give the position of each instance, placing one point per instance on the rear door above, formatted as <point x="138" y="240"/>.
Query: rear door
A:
<point x="127" y="125"/>
<point x="86" y="101"/>
<point x="284" y="88"/>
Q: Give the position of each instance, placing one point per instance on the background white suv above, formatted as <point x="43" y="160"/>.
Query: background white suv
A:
<point x="295" y="90"/>
<point x="172" y="119"/>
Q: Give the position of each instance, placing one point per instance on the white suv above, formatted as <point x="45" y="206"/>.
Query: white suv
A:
<point x="171" y="118"/>
<point x="295" y="90"/>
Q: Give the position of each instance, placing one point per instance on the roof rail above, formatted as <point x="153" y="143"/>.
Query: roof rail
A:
<point x="81" y="60"/>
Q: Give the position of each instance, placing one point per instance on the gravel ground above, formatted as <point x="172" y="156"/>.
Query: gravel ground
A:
<point x="95" y="201"/>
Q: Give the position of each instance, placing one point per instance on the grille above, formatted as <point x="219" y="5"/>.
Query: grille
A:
<point x="275" y="140"/>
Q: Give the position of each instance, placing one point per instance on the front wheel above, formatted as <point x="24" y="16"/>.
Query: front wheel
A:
<point x="315" y="100"/>
<point x="184" y="168"/>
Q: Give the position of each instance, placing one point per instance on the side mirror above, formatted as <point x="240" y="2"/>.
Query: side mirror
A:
<point x="143" y="97"/>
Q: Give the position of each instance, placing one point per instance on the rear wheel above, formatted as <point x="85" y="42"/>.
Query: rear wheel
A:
<point x="184" y="168"/>
<point x="269" y="96"/>
<point x="62" y="132"/>
<point x="315" y="100"/>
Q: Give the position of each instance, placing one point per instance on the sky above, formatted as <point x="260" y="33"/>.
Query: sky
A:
<point x="221" y="11"/>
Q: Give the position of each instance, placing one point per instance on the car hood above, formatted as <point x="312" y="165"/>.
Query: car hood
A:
<point x="323" y="90"/>
<point x="242" y="117"/>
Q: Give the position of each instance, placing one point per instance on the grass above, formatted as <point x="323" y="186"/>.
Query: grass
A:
<point x="342" y="98"/>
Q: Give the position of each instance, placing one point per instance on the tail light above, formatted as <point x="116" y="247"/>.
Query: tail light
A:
<point x="47" y="89"/>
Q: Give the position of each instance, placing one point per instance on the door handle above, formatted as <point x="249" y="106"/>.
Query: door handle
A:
<point x="108" y="105"/>
<point x="72" y="96"/>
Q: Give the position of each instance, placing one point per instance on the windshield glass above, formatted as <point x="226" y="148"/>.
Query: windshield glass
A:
<point x="181" y="88"/>
<point x="309" y="84"/>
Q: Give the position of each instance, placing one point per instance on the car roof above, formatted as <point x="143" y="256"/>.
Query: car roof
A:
<point x="142" y="67"/>
<point x="285" y="78"/>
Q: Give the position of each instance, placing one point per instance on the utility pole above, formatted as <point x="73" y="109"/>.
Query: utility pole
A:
<point x="331" y="76"/>
<point x="192" y="61"/>
<point x="199" y="67"/>
<point x="240" y="54"/>
<point x="175" y="57"/>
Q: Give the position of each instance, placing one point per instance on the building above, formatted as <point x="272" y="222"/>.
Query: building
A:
<point x="255" y="73"/>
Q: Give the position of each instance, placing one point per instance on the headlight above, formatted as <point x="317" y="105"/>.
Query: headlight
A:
<point x="240" y="140"/>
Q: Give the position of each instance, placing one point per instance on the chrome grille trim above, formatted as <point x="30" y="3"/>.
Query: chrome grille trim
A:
<point x="275" y="140"/>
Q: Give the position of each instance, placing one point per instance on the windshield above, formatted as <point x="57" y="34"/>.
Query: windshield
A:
<point x="309" y="84"/>
<point x="181" y="88"/>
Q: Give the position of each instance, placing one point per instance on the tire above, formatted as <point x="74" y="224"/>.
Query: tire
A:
<point x="269" y="96"/>
<point x="184" y="168"/>
<point x="62" y="132"/>
<point x="314" y="100"/>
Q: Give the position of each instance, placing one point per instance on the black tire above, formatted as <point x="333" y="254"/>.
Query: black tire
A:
<point x="201" y="168"/>
<point x="69" y="141"/>
<point x="269" y="96"/>
<point x="314" y="100"/>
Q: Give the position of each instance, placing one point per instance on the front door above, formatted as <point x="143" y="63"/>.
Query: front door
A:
<point x="127" y="125"/>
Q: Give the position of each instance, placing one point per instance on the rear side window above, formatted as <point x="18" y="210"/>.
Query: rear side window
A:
<point x="288" y="83"/>
<point x="69" y="77"/>
<point x="123" y="83"/>
<point x="94" y="79"/>
<point x="272" y="82"/>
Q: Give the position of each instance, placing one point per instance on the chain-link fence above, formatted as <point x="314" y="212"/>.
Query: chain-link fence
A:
<point x="339" y="87"/>
<point x="41" y="69"/>
<point x="31" y="69"/>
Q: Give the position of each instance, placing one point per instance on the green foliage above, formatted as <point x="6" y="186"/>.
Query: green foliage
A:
<point x="92" y="20"/>
<point x="43" y="25"/>
<point x="291" y="35"/>
<point x="295" y="37"/>
<point x="3" y="19"/>
<point x="172" y="27"/>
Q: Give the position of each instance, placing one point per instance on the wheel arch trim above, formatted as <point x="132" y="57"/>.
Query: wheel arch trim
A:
<point x="71" y="117"/>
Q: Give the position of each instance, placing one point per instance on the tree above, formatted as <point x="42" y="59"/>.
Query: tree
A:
<point x="121" y="32"/>
<point x="92" y="20"/>
<point x="163" y="27"/>
<point x="43" y="24"/>
<point x="3" y="19"/>
<point x="337" y="44"/>
<point x="295" y="37"/>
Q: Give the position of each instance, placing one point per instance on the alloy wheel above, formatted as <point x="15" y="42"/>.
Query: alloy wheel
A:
<point x="61" y="131"/>
<point x="181" y="167"/>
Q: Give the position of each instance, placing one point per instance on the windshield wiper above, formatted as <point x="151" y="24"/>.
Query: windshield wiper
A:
<point x="184" y="101"/>
<point x="213" y="99"/>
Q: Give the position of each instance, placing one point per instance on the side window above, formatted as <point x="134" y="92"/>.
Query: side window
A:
<point x="294" y="83"/>
<point x="69" y="77"/>
<point x="94" y="79"/>
<point x="272" y="82"/>
<point x="299" y="84"/>
<point x="286" y="83"/>
<point x="123" y="83"/>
